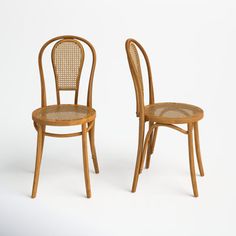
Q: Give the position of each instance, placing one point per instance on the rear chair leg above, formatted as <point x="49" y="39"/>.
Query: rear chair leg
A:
<point x="197" y="146"/>
<point x="148" y="153"/>
<point x="151" y="147"/>
<point x="93" y="149"/>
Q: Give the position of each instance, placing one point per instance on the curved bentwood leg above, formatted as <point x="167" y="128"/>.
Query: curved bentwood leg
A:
<point x="43" y="138"/>
<point x="139" y="154"/>
<point x="40" y="140"/>
<point x="93" y="149"/>
<point x="151" y="147"/>
<point x="85" y="161"/>
<point x="191" y="159"/>
<point x="197" y="147"/>
<point x="148" y="153"/>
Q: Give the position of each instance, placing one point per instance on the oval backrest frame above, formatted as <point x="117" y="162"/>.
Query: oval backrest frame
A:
<point x="137" y="77"/>
<point x="90" y="85"/>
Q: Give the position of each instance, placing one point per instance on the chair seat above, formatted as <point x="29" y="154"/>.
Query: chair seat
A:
<point x="64" y="115"/>
<point x="173" y="113"/>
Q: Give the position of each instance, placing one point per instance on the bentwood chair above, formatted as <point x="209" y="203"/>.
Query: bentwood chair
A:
<point x="67" y="57"/>
<point x="160" y="114"/>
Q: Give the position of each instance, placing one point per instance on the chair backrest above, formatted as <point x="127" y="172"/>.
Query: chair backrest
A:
<point x="132" y="48"/>
<point x="67" y="60"/>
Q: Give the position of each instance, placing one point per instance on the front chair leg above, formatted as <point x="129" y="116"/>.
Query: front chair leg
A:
<point x="197" y="146"/>
<point x="191" y="159"/>
<point x="43" y="138"/>
<point x="40" y="140"/>
<point x="139" y="155"/>
<point x="93" y="149"/>
<point x="85" y="160"/>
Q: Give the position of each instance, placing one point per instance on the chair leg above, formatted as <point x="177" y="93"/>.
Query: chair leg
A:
<point x="148" y="153"/>
<point x="197" y="146"/>
<point x="151" y="147"/>
<point x="38" y="160"/>
<point x="43" y="138"/>
<point x="93" y="149"/>
<point x="139" y="154"/>
<point x="85" y="161"/>
<point x="154" y="139"/>
<point x="191" y="159"/>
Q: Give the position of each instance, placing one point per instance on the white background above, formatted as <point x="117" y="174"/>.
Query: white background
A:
<point x="192" y="49"/>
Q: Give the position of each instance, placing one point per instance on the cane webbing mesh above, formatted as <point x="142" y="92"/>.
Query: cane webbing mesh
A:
<point x="67" y="59"/>
<point x="136" y="62"/>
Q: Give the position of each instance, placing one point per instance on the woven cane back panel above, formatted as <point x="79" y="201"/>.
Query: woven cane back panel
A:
<point x="136" y="62"/>
<point x="67" y="60"/>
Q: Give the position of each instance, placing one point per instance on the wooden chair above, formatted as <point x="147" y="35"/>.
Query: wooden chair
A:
<point x="160" y="114"/>
<point x="67" y="60"/>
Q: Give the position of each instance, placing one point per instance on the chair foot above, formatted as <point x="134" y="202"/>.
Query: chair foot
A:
<point x="95" y="163"/>
<point x="136" y="174"/>
<point x="133" y="189"/>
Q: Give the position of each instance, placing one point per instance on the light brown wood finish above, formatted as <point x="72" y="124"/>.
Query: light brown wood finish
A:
<point x="160" y="114"/>
<point x="67" y="60"/>
<point x="147" y="165"/>
<point x="90" y="86"/>
<point x="93" y="149"/>
<point x="150" y="144"/>
<point x="85" y="160"/>
<point x="148" y="152"/>
<point x="43" y="138"/>
<point x="64" y="115"/>
<point x="147" y="143"/>
<point x="191" y="159"/>
<point x="38" y="161"/>
<point x="139" y="154"/>
<point x="197" y="148"/>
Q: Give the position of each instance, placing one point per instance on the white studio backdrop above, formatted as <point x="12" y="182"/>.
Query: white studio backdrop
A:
<point x="192" y="50"/>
